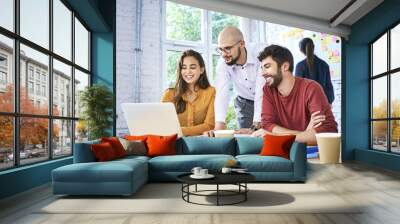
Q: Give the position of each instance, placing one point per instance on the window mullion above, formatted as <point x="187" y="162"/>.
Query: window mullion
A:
<point x="50" y="82"/>
<point x="389" y="114"/>
<point x="16" y="84"/>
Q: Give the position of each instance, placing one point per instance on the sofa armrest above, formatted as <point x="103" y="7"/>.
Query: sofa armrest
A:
<point x="83" y="152"/>
<point x="299" y="158"/>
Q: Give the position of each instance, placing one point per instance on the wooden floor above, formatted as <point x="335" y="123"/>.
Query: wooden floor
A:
<point x="377" y="188"/>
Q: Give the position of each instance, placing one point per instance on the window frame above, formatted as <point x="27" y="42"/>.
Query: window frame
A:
<point x="15" y="72"/>
<point x="388" y="74"/>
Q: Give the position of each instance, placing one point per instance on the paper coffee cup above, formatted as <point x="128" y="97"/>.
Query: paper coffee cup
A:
<point x="329" y="147"/>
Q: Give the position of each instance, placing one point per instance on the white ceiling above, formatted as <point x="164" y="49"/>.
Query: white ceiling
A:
<point x="315" y="15"/>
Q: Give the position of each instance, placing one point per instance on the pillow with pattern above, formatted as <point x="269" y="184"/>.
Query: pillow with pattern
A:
<point x="134" y="147"/>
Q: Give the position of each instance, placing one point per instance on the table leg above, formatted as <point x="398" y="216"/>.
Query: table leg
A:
<point x="217" y="194"/>
<point x="245" y="193"/>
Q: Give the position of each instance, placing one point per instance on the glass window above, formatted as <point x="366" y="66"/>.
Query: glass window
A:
<point x="37" y="89"/>
<point x="213" y="74"/>
<point x="395" y="47"/>
<point x="3" y="79"/>
<point x="379" y="135"/>
<point x="6" y="74"/>
<point x="81" y="82"/>
<point x="62" y="29"/>
<point x="40" y="62"/>
<point x="81" y="45"/>
<point x="81" y="131"/>
<point x="43" y="90"/>
<point x="63" y="72"/>
<point x="7" y="14"/>
<point x="35" y="21"/>
<point x="183" y="22"/>
<point x="395" y="95"/>
<point x="6" y="142"/>
<point x="3" y="61"/>
<point x="30" y="87"/>
<point x="62" y="138"/>
<point x="383" y="137"/>
<point x="219" y="21"/>
<point x="33" y="140"/>
<point x="30" y="71"/>
<point x="172" y="64"/>
<point x="395" y="138"/>
<point x="379" y="56"/>
<point x="379" y="97"/>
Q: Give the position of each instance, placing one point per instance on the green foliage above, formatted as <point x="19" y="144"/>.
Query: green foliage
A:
<point x="231" y="122"/>
<point x="220" y="21"/>
<point x="183" y="22"/>
<point x="172" y="63"/>
<point x="97" y="104"/>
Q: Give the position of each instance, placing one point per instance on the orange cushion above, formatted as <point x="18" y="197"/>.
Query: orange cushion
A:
<point x="136" y="137"/>
<point x="116" y="145"/>
<point x="103" y="152"/>
<point x="275" y="145"/>
<point x="161" y="145"/>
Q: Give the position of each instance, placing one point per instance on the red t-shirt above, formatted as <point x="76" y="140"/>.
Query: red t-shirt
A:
<point x="294" y="111"/>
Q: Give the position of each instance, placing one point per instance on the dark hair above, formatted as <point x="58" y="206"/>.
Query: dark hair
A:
<point x="279" y="54"/>
<point x="181" y="86"/>
<point x="307" y="47"/>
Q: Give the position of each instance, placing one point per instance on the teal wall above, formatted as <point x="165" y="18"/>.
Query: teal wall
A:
<point x="24" y="178"/>
<point x="103" y="62"/>
<point x="99" y="16"/>
<point x="356" y="97"/>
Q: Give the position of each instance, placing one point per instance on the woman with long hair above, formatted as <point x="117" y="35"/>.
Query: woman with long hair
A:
<point x="193" y="96"/>
<point x="312" y="67"/>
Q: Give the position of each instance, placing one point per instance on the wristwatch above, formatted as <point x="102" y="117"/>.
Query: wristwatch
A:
<point x="254" y="127"/>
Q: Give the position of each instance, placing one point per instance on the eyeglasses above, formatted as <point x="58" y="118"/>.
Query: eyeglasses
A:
<point x="227" y="49"/>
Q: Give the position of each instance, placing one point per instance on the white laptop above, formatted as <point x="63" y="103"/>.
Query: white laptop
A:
<point x="151" y="118"/>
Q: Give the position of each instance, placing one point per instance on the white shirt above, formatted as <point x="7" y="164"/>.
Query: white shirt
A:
<point x="247" y="82"/>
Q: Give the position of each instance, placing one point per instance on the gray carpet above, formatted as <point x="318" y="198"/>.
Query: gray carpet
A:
<point x="166" y="198"/>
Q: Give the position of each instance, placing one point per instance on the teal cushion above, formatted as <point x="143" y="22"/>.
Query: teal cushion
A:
<point x="206" y="145"/>
<point x="83" y="152"/>
<point x="185" y="163"/>
<point x="249" y="145"/>
<point x="257" y="163"/>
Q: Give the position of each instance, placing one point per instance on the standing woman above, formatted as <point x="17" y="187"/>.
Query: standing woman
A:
<point x="315" y="68"/>
<point x="192" y="95"/>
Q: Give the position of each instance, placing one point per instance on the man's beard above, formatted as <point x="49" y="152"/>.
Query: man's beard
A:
<point x="277" y="79"/>
<point x="234" y="60"/>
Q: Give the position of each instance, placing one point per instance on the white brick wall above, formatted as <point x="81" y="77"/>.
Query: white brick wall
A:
<point x="150" y="74"/>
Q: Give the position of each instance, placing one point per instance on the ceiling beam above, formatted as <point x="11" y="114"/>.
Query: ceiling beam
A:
<point x="346" y="12"/>
<point x="269" y="15"/>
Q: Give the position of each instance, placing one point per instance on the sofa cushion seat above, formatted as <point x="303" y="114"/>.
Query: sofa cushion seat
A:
<point x="113" y="171"/>
<point x="184" y="163"/>
<point x="257" y="163"/>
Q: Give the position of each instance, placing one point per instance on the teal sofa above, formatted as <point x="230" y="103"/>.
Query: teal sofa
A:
<point x="125" y="176"/>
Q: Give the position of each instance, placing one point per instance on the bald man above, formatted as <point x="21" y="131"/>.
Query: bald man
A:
<point x="239" y="66"/>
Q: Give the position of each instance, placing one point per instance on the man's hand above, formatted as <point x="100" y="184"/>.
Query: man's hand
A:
<point x="315" y="121"/>
<point x="247" y="131"/>
<point x="259" y="133"/>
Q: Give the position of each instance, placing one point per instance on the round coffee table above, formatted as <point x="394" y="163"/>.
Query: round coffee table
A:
<point x="238" y="179"/>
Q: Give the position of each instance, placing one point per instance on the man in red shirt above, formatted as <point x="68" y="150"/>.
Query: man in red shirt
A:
<point x="291" y="105"/>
